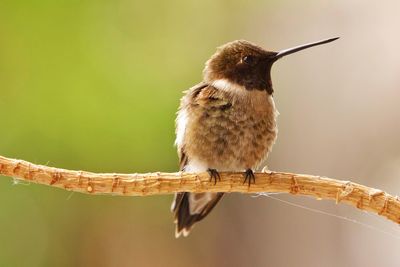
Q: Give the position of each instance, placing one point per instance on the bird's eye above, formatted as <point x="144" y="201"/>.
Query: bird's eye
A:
<point x="248" y="59"/>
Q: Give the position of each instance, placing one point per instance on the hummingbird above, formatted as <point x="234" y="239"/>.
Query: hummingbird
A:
<point x="227" y="122"/>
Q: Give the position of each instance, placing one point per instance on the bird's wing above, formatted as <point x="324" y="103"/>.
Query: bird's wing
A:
<point x="201" y="95"/>
<point x="190" y="208"/>
<point x="182" y="121"/>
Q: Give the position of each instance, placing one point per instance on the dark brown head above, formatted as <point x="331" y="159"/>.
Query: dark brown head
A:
<point x="246" y="64"/>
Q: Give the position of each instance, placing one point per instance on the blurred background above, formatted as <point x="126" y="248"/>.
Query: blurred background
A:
<point x="94" y="85"/>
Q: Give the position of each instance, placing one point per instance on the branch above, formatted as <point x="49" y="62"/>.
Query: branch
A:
<point x="362" y="197"/>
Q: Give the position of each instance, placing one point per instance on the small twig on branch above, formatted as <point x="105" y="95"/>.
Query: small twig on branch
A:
<point x="362" y="197"/>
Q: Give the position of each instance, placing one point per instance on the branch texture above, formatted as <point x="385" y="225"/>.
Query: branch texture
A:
<point x="359" y="196"/>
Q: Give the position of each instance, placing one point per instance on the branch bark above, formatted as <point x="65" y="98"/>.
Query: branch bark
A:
<point x="359" y="196"/>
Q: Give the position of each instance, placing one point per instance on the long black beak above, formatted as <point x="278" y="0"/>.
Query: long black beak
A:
<point x="301" y="47"/>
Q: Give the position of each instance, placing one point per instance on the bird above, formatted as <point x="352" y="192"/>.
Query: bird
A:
<point x="227" y="122"/>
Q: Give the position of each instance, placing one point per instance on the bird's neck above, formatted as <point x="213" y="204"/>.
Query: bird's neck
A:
<point x="260" y="100"/>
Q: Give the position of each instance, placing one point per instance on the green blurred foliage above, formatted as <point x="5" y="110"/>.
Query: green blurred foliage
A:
<point x="95" y="85"/>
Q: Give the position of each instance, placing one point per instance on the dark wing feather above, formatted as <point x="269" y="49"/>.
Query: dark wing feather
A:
<point x="183" y="159"/>
<point x="184" y="219"/>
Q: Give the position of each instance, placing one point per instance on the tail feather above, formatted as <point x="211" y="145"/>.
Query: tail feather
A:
<point x="190" y="208"/>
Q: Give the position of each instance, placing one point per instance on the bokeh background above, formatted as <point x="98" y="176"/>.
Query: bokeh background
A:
<point x="94" y="85"/>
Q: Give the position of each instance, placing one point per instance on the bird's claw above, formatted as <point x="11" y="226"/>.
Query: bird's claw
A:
<point x="249" y="177"/>
<point x="214" y="175"/>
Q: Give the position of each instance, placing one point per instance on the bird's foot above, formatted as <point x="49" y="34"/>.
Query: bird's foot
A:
<point x="214" y="175"/>
<point x="249" y="177"/>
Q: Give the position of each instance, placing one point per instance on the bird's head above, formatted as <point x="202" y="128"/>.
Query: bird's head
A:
<point x="247" y="65"/>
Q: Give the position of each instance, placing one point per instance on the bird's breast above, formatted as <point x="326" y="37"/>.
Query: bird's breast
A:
<point x="232" y="137"/>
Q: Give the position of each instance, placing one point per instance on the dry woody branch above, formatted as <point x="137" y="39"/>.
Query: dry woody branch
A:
<point x="359" y="196"/>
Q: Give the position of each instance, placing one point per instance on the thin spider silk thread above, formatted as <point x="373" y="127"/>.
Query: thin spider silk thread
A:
<point x="328" y="214"/>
